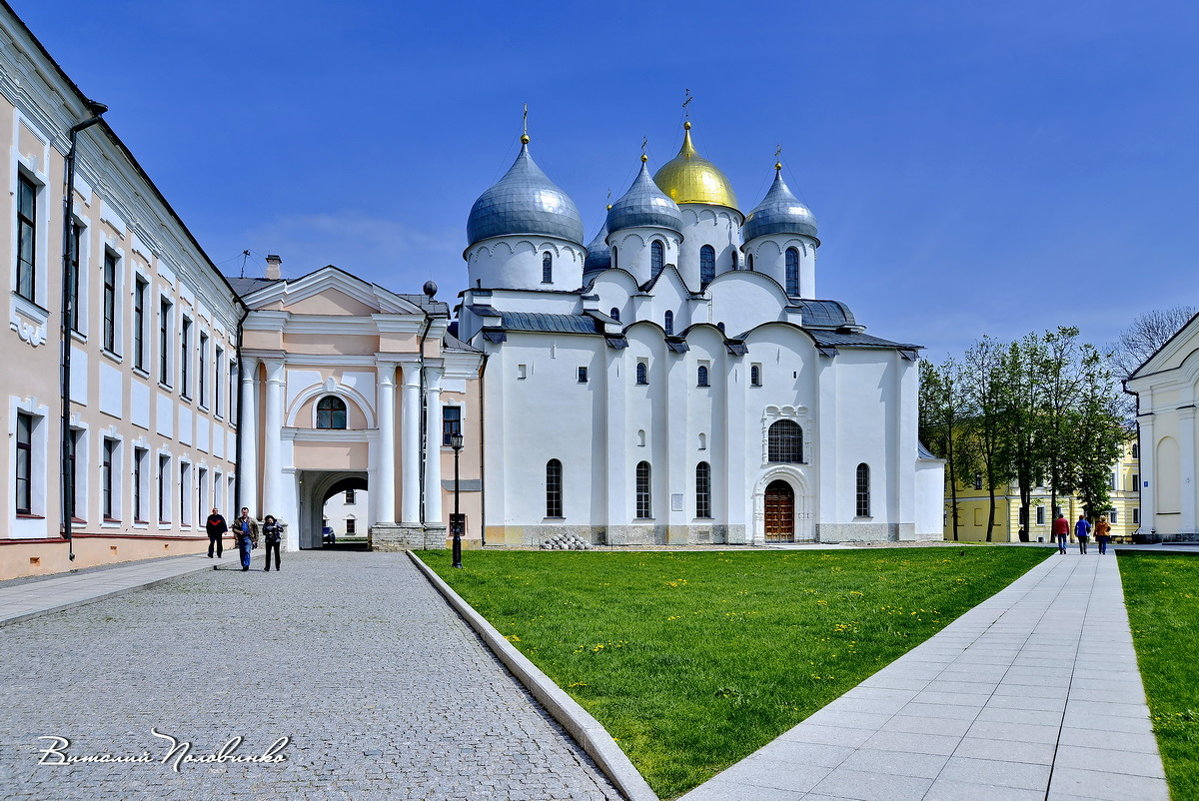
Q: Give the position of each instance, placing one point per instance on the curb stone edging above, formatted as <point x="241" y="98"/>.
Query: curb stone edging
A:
<point x="578" y="722"/>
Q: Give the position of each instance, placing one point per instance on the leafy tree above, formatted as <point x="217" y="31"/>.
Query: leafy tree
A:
<point x="985" y="393"/>
<point x="944" y="410"/>
<point x="1023" y="419"/>
<point x="1098" y="433"/>
<point x="1060" y="384"/>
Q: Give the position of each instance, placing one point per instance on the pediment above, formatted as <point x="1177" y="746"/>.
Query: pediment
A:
<point x="331" y="291"/>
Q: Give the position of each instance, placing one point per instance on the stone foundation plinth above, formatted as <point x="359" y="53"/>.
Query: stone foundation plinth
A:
<point x="396" y="537"/>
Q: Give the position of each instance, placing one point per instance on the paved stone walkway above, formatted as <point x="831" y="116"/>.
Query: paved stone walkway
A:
<point x="384" y="692"/>
<point x="1035" y="694"/>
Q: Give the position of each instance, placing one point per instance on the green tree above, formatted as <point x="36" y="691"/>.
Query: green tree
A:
<point x="944" y="411"/>
<point x="1023" y="417"/>
<point x="984" y="389"/>
<point x="1098" y="432"/>
<point x="1059" y="387"/>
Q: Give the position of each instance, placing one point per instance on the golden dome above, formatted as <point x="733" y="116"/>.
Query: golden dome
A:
<point x="690" y="178"/>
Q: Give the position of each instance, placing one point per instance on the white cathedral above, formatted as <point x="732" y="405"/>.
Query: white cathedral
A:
<point x="678" y="380"/>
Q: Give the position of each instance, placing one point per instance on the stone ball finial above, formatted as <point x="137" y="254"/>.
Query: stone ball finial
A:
<point x="430" y="289"/>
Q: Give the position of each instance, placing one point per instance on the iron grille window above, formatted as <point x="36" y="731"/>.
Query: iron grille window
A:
<point x="642" y="373"/>
<point x="73" y="274"/>
<point x="139" y="322"/>
<point x="645" y="507"/>
<point x="110" y="301"/>
<point x="26" y="238"/>
<point x="24" y="486"/>
<point x="863" y="490"/>
<point x="785" y="442"/>
<point x="331" y="412"/>
<point x="451" y="423"/>
<point x="668" y="322"/>
<point x="657" y="257"/>
<point x="703" y="490"/>
<point x="553" y="488"/>
<point x="755" y="375"/>
<point x="707" y="265"/>
<point x="547" y="268"/>
<point x="792" y="272"/>
<point x="702" y="376"/>
<point x="110" y="448"/>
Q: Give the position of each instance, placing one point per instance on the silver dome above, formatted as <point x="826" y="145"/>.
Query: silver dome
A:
<point x="644" y="205"/>
<point x="524" y="201"/>
<point x="780" y="212"/>
<point x="599" y="255"/>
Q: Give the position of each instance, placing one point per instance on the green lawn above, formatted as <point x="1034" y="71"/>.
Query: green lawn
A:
<point x="1162" y="594"/>
<point x="694" y="660"/>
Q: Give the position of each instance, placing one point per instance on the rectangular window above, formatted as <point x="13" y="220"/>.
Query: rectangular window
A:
<point x="351" y="526"/>
<point x="218" y="364"/>
<point x="1040" y="515"/>
<point x="553" y="488"/>
<point x="164" y="342"/>
<point x="451" y="423"/>
<point x="863" y="494"/>
<point x="232" y="390"/>
<point x="203" y="371"/>
<point x="185" y="334"/>
<point x="24" y="463"/>
<point x="1111" y="482"/>
<point x="1136" y="482"/>
<point x="185" y="494"/>
<point x="1113" y="517"/>
<point x="139" y="324"/>
<point x="73" y="275"/>
<point x="350" y="501"/>
<point x="110" y="301"/>
<point x="703" y="490"/>
<point x="164" y="497"/>
<point x="755" y="375"/>
<point x="26" y="238"/>
<point x="139" y="473"/>
<point x="108" y="478"/>
<point x="582" y="375"/>
<point x="201" y="494"/>
<point x="1136" y="517"/>
<point x="521" y="371"/>
<point x="645" y="506"/>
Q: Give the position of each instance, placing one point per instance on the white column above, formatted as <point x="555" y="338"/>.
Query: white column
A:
<point x="1186" y="478"/>
<point x="433" y="446"/>
<point x="272" y="466"/>
<point x="410" y="513"/>
<point x="247" y="430"/>
<point x="1148" y="476"/>
<point x="385" y="487"/>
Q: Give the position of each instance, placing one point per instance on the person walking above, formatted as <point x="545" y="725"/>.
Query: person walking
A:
<point x="1082" y="532"/>
<point x="246" y="529"/>
<point x="1103" y="533"/>
<point x="216" y="527"/>
<point x="1061" y="530"/>
<point x="272" y="532"/>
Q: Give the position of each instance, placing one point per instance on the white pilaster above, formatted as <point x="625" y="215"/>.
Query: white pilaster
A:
<point x="247" y="430"/>
<point x="410" y="500"/>
<point x="1147" y="455"/>
<point x="272" y="465"/>
<point x="385" y="485"/>
<point x="433" y="445"/>
<point x="1186" y="478"/>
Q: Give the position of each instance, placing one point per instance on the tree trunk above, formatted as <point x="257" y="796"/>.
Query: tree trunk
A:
<point x="991" y="516"/>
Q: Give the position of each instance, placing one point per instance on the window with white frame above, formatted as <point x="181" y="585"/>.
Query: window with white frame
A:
<point x="1113" y="516"/>
<point x="1040" y="515"/>
<point x="784" y="442"/>
<point x="553" y="488"/>
<point x="141" y="288"/>
<point x="25" y="484"/>
<point x="74" y="270"/>
<point x="26" y="224"/>
<point x="863" y="493"/>
<point x="451" y="423"/>
<point x="76" y="473"/>
<point x="110" y="480"/>
<point x="164" y="492"/>
<point x="755" y="375"/>
<point x="201" y="494"/>
<point x="642" y="371"/>
<point x="703" y="490"/>
<point x="218" y="364"/>
<point x="111" y="340"/>
<point x="1136" y="517"/>
<point x="164" y="341"/>
<point x="185" y="334"/>
<point x="185" y="493"/>
<point x="707" y="265"/>
<point x="233" y="391"/>
<point x="701" y="376"/>
<point x="644" y="497"/>
<point x="547" y="268"/>
<point x="202" y="370"/>
<point x="141" y="478"/>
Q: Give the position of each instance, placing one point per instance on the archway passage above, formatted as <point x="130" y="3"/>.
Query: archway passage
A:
<point x="780" y="512"/>
<point x="319" y="486"/>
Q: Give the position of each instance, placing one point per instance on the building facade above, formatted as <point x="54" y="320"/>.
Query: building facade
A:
<point x="1167" y="390"/>
<point x="679" y="380"/>
<point x="150" y="432"/>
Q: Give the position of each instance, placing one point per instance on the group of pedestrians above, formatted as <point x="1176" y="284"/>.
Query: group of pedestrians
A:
<point x="245" y="531"/>
<point x="1082" y="533"/>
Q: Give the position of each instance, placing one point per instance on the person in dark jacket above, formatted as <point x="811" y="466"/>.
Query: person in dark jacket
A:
<point x="1082" y="532"/>
<point x="1061" y="530"/>
<point x="246" y="529"/>
<point x="216" y="527"/>
<point x="272" y="532"/>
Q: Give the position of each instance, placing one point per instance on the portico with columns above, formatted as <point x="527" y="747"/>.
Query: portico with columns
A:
<point x="322" y="359"/>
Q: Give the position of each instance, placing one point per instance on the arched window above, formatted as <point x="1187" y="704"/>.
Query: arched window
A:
<point x="615" y="314"/>
<point x="642" y="373"/>
<point x="702" y="376"/>
<point x="793" y="272"/>
<point x="331" y="412"/>
<point x="668" y="322"/>
<point x="736" y="263"/>
<point x="707" y="264"/>
<point x="553" y="488"/>
<point x="645" y="506"/>
<point x="657" y="257"/>
<point x="1136" y="451"/>
<point x="784" y="442"/>
<point x="615" y="258"/>
<point x="703" y="490"/>
<point x="703" y="442"/>
<point x="755" y="375"/>
<point x="641" y="438"/>
<point x="547" y="268"/>
<point x="863" y="490"/>
<point x="749" y="262"/>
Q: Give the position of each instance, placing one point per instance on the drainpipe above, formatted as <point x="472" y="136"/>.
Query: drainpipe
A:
<point x="482" y="455"/>
<point x="67" y="477"/>
<point x="240" y="406"/>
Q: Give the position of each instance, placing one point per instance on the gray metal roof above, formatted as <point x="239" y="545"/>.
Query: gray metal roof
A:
<point x="248" y="286"/>
<point x="524" y="201"/>
<point x="780" y="212"/>
<point x="644" y="205"/>
<point x="436" y="308"/>
<point x="599" y="255"/>
<point x="825" y="313"/>
<point x="549" y="323"/>
<point x="855" y="339"/>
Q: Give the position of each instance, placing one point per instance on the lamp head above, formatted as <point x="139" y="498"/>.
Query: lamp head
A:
<point x="456" y="441"/>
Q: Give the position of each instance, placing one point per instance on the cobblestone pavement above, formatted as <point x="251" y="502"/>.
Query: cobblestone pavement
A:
<point x="384" y="692"/>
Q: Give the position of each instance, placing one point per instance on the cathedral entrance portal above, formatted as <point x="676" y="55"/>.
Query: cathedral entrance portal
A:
<point x="780" y="512"/>
<point x="318" y="486"/>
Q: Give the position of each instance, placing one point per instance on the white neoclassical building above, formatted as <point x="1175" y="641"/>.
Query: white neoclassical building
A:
<point x="1167" y="391"/>
<point x="679" y="380"/>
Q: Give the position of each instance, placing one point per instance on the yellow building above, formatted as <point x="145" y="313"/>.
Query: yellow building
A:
<point x="974" y="505"/>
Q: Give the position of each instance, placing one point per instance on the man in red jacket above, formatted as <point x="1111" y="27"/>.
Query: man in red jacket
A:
<point x="1061" y="530"/>
<point x="216" y="526"/>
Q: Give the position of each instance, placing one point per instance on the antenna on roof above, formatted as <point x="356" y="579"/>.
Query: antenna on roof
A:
<point x="245" y="254"/>
<point x="687" y="98"/>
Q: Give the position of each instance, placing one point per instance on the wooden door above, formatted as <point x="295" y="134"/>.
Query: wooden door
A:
<point x="780" y="512"/>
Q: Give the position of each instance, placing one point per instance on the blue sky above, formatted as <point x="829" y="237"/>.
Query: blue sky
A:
<point x="975" y="167"/>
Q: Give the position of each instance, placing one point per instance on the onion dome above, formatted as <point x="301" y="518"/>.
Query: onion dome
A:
<point x="780" y="212"/>
<point x="644" y="206"/>
<point x="599" y="255"/>
<point x="524" y="201"/>
<point x="690" y="178"/>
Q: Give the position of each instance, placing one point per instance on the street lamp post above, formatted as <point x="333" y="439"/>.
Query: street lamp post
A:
<point x="456" y="518"/>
